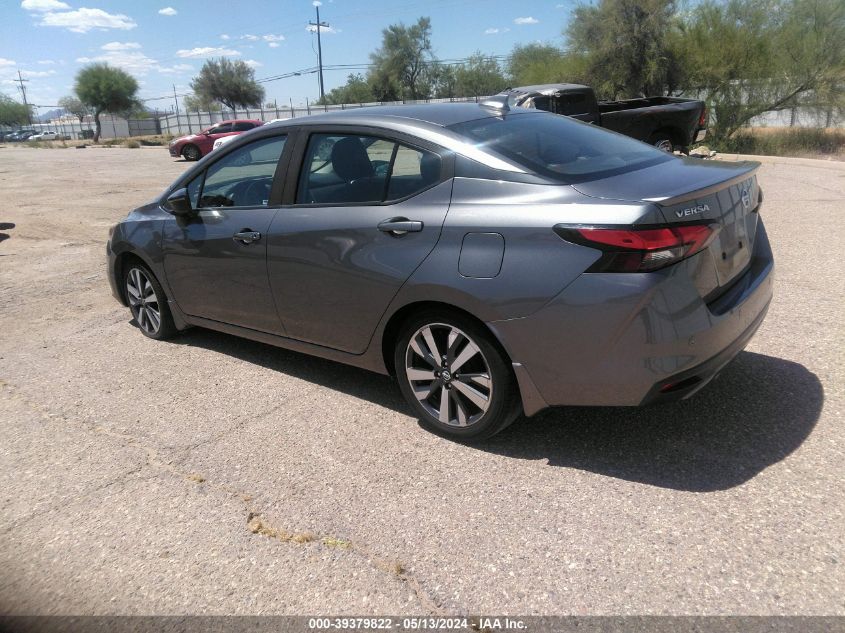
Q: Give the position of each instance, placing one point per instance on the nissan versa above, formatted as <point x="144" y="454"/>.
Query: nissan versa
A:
<point x="495" y="260"/>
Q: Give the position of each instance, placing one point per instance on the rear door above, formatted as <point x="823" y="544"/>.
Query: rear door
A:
<point x="216" y="260"/>
<point x="368" y="209"/>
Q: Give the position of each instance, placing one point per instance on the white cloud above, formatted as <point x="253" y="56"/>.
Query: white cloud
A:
<point x="46" y="62"/>
<point x="317" y="3"/>
<point x="273" y="45"/>
<point x="167" y="11"/>
<point x="126" y="55"/>
<point x="225" y="37"/>
<point x="272" y="38"/>
<point x="37" y="73"/>
<point x="526" y="20"/>
<point x="252" y="63"/>
<point x="6" y="62"/>
<point x="120" y="46"/>
<point x="207" y="51"/>
<point x="491" y="31"/>
<point x="43" y="5"/>
<point x="133" y="62"/>
<point x="249" y="37"/>
<point x="83" y="20"/>
<point x="176" y="69"/>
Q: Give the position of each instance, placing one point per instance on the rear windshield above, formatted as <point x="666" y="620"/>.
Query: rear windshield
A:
<point x="559" y="147"/>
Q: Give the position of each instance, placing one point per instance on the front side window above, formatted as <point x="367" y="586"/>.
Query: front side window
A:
<point x="242" y="178"/>
<point x="242" y="126"/>
<point x="349" y="169"/>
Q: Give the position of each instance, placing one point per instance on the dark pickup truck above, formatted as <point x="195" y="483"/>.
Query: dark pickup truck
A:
<point x="667" y="122"/>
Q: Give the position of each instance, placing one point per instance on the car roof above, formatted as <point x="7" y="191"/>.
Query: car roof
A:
<point x="432" y="114"/>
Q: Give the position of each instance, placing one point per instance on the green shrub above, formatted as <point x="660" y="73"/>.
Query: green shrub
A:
<point x="132" y="144"/>
<point x="785" y="142"/>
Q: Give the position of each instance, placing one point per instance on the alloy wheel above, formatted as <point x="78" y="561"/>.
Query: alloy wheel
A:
<point x="191" y="153"/>
<point x="143" y="301"/>
<point x="448" y="374"/>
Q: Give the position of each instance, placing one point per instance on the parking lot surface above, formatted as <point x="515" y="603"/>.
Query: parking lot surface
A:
<point x="210" y="474"/>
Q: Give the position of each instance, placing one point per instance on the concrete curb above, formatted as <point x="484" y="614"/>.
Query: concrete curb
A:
<point x="826" y="163"/>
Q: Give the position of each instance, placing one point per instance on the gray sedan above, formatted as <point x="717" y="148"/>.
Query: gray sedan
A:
<point x="496" y="261"/>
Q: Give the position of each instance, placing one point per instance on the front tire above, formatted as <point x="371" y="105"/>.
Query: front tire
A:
<point x="191" y="152"/>
<point x="454" y="377"/>
<point x="148" y="303"/>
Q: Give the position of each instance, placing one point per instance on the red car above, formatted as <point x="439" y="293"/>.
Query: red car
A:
<point x="195" y="146"/>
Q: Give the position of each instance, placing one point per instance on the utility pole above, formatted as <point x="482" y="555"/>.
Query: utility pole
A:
<point x="175" y="98"/>
<point x="319" y="25"/>
<point x="22" y="81"/>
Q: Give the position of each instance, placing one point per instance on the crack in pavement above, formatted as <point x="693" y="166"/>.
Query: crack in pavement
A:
<point x="255" y="524"/>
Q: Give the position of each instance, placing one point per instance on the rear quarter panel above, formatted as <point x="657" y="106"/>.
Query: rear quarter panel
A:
<point x="536" y="263"/>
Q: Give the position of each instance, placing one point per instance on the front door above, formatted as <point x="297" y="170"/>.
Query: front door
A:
<point x="216" y="260"/>
<point x="368" y="211"/>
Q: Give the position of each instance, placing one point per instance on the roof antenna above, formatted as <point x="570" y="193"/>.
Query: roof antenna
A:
<point x="496" y="102"/>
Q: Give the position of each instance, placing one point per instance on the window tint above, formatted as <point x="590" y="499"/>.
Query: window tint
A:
<point x="242" y="126"/>
<point x="244" y="177"/>
<point x="344" y="169"/>
<point x="221" y="129"/>
<point x="559" y="147"/>
<point x="413" y="171"/>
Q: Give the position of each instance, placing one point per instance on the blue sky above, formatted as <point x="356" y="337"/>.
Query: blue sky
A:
<point x="165" y="42"/>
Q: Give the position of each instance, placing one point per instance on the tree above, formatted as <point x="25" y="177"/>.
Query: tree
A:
<point x="401" y="65"/>
<point x="444" y="81"/>
<point x="196" y="103"/>
<point x="12" y="112"/>
<point x="479" y="76"/>
<point x="623" y="48"/>
<point x="355" y="90"/>
<point x="539" y="64"/>
<point x="747" y="57"/>
<point x="104" y="88"/>
<point x="232" y="83"/>
<point x="75" y="107"/>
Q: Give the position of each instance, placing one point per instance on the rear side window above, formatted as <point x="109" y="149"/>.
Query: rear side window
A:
<point x="242" y="178"/>
<point x="559" y="147"/>
<point x="221" y="129"/>
<point x="351" y="169"/>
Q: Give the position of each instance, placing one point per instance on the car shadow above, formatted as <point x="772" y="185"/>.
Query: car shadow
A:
<point x="754" y="414"/>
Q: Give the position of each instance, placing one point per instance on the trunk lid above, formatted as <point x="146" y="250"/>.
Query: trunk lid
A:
<point x="722" y="195"/>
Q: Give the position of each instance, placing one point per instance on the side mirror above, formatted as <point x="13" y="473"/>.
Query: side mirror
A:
<point x="179" y="203"/>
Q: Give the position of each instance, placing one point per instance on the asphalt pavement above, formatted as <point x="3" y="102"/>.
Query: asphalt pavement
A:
<point x="210" y="474"/>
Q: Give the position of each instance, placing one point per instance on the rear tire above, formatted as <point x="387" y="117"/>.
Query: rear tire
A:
<point x="464" y="388"/>
<point x="148" y="303"/>
<point x="191" y="152"/>
<point x="662" y="141"/>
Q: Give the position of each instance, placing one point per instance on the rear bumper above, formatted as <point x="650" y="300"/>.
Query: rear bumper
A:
<point x="617" y="340"/>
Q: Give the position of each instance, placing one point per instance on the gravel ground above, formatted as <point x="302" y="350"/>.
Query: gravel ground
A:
<point x="215" y="475"/>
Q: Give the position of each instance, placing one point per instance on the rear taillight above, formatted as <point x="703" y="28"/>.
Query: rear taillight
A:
<point x="632" y="250"/>
<point x="702" y="120"/>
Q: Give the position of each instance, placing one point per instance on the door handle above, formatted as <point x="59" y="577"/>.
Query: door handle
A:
<point x="246" y="236"/>
<point x="400" y="226"/>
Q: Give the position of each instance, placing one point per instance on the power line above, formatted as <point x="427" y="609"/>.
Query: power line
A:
<point x="361" y="66"/>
